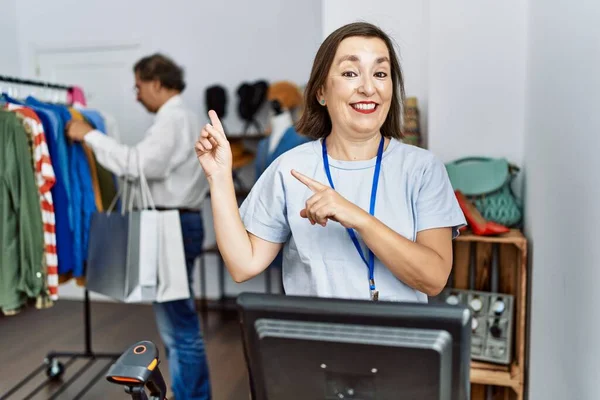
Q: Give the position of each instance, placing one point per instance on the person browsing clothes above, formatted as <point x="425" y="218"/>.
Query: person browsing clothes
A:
<point x="169" y="164"/>
<point x="358" y="213"/>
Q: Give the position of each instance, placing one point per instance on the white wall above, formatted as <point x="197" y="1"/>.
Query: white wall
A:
<point x="407" y="22"/>
<point x="225" y="42"/>
<point x="464" y="60"/>
<point x="563" y="193"/>
<point x="477" y="78"/>
<point x="9" y="54"/>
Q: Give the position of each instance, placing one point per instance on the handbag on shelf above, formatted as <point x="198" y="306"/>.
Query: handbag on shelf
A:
<point x="487" y="183"/>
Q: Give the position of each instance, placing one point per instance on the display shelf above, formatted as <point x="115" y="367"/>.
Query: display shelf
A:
<point x="486" y="374"/>
<point x="515" y="237"/>
<point x="472" y="270"/>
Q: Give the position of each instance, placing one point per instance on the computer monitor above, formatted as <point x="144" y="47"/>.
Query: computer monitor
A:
<point x="321" y="348"/>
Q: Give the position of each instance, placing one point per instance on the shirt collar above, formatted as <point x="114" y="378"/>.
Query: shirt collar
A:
<point x="174" y="102"/>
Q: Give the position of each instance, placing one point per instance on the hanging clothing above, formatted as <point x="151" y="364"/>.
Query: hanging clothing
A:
<point x="21" y="232"/>
<point x="82" y="176"/>
<point x="290" y="139"/>
<point x="45" y="180"/>
<point x="94" y="173"/>
<point x="77" y="115"/>
<point x="76" y="96"/>
<point x="106" y="180"/>
<point x="61" y="192"/>
<point x="94" y="118"/>
<point x="82" y="203"/>
<point x="71" y="186"/>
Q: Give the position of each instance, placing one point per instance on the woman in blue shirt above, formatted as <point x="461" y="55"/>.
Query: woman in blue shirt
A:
<point x="358" y="213"/>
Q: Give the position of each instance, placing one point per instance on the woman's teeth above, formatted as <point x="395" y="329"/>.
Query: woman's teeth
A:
<point x="362" y="106"/>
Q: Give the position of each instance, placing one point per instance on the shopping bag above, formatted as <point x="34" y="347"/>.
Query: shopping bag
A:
<point x="129" y="274"/>
<point x="148" y="249"/>
<point x="142" y="260"/>
<point x="173" y="283"/>
<point x="113" y="267"/>
<point x="144" y="228"/>
<point x="107" y="254"/>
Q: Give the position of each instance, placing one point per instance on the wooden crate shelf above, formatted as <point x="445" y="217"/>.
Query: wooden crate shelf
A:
<point x="507" y="382"/>
<point x="505" y="377"/>
<point x="513" y="237"/>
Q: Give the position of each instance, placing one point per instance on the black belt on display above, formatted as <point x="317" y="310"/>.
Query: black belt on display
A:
<point x="181" y="210"/>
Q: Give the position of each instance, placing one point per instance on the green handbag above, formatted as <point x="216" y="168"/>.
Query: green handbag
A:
<point x="487" y="183"/>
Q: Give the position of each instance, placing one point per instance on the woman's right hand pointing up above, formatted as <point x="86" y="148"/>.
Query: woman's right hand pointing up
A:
<point x="213" y="150"/>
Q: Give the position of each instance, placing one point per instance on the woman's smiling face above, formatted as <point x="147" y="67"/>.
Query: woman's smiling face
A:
<point x="359" y="88"/>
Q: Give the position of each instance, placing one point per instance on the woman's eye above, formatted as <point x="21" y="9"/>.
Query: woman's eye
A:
<point x="381" y="75"/>
<point x="349" y="74"/>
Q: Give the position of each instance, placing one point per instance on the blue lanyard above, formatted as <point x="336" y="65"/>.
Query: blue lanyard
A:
<point x="371" y="262"/>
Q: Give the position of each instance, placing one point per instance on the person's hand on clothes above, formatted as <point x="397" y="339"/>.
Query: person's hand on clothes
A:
<point x="327" y="204"/>
<point x="213" y="149"/>
<point x="76" y="130"/>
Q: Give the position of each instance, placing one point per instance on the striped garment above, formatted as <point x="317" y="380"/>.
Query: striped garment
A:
<point x="45" y="179"/>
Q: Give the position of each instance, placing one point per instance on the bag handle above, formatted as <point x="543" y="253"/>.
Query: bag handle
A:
<point x="128" y="190"/>
<point x="114" y="200"/>
<point x="123" y="192"/>
<point x="142" y="190"/>
<point x="145" y="188"/>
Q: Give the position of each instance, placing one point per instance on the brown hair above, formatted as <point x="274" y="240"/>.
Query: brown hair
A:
<point x="315" y="121"/>
<point x="161" y="68"/>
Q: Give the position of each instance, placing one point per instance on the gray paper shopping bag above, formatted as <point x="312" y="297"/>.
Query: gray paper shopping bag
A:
<point x="123" y="250"/>
<point x="133" y="290"/>
<point x="106" y="271"/>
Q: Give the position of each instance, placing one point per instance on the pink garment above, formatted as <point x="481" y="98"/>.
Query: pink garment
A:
<point x="76" y="96"/>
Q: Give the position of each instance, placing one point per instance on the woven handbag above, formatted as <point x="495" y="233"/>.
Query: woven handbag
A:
<point x="487" y="183"/>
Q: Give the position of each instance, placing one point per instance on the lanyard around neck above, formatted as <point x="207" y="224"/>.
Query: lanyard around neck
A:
<point x="370" y="263"/>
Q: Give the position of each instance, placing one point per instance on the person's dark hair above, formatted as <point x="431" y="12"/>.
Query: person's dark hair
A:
<point x="315" y="121"/>
<point x="162" y="68"/>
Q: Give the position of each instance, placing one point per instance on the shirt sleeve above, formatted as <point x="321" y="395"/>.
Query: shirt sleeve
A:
<point x="264" y="211"/>
<point x="436" y="203"/>
<point x="156" y="151"/>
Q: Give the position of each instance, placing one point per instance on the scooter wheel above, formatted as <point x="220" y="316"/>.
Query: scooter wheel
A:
<point x="55" y="370"/>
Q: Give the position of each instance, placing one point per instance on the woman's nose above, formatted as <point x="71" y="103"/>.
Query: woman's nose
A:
<point x="366" y="86"/>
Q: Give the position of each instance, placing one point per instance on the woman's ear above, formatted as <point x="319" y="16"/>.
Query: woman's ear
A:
<point x="321" y="96"/>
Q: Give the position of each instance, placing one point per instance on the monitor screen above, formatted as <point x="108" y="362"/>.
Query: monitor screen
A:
<point x="319" y="348"/>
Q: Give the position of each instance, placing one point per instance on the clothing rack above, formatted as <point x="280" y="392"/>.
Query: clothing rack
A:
<point x="54" y="368"/>
<point x="29" y="82"/>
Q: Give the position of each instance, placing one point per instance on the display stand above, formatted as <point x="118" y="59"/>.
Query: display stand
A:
<point x="503" y="381"/>
<point x="55" y="368"/>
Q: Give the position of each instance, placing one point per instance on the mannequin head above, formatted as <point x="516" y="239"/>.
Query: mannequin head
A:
<point x="276" y="107"/>
<point x="286" y="93"/>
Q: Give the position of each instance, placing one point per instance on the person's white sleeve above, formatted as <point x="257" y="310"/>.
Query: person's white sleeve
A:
<point x="156" y="151"/>
<point x="264" y="211"/>
<point x="436" y="204"/>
